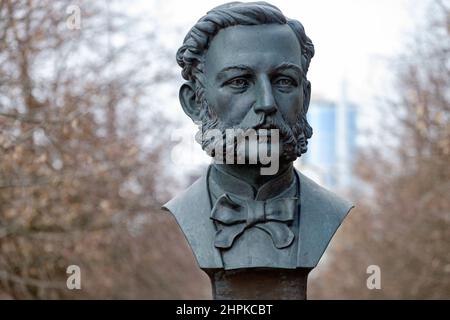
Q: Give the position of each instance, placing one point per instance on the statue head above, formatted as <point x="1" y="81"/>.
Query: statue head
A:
<point x="245" y="66"/>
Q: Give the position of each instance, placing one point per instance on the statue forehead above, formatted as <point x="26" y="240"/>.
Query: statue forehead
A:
<point x="255" y="46"/>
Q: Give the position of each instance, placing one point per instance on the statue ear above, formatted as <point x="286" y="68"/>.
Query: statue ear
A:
<point x="187" y="100"/>
<point x="306" y="95"/>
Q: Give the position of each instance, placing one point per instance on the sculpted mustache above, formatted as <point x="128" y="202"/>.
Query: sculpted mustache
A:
<point x="252" y="120"/>
<point x="285" y="132"/>
<point x="257" y="121"/>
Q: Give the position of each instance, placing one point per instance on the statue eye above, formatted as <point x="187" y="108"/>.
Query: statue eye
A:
<point x="285" y="82"/>
<point x="238" y="83"/>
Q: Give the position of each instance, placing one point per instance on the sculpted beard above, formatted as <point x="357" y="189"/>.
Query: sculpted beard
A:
<point x="293" y="140"/>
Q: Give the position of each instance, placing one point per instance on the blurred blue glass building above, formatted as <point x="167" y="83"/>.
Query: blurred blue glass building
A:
<point x="332" y="148"/>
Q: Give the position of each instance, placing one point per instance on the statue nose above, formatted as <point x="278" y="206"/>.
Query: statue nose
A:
<point x="265" y="101"/>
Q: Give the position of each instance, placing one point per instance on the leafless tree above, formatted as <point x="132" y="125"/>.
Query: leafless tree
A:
<point x="76" y="186"/>
<point x="403" y="225"/>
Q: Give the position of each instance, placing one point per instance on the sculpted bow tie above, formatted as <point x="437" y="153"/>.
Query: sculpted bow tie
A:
<point x="237" y="215"/>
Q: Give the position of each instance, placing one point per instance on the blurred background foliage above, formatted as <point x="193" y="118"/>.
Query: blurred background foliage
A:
<point x="403" y="223"/>
<point x="80" y="183"/>
<point x="76" y="187"/>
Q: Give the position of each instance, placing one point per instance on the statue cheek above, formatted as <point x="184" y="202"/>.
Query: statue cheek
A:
<point x="291" y="106"/>
<point x="232" y="107"/>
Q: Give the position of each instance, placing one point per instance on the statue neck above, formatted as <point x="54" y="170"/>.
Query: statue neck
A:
<point x="251" y="174"/>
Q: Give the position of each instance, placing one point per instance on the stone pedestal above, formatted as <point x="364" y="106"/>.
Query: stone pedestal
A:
<point x="256" y="283"/>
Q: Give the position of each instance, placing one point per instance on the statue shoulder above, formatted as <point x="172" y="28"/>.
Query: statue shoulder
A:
<point x="192" y="210"/>
<point x="193" y="198"/>
<point x="321" y="214"/>
<point x="319" y="198"/>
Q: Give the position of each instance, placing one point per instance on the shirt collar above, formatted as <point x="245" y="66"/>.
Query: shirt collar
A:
<point x="238" y="187"/>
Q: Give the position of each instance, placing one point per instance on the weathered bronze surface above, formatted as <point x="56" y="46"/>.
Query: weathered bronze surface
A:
<point x="257" y="234"/>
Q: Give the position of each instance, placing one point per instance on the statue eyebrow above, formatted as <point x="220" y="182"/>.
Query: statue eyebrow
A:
<point x="289" y="65"/>
<point x="241" y="67"/>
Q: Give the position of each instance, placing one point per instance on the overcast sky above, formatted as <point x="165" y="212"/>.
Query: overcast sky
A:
<point x="351" y="37"/>
<point x="353" y="40"/>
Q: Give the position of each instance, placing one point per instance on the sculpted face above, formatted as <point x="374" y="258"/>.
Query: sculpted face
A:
<point x="254" y="69"/>
<point x="253" y="80"/>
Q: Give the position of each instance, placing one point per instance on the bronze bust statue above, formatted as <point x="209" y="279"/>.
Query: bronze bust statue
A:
<point x="256" y="234"/>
